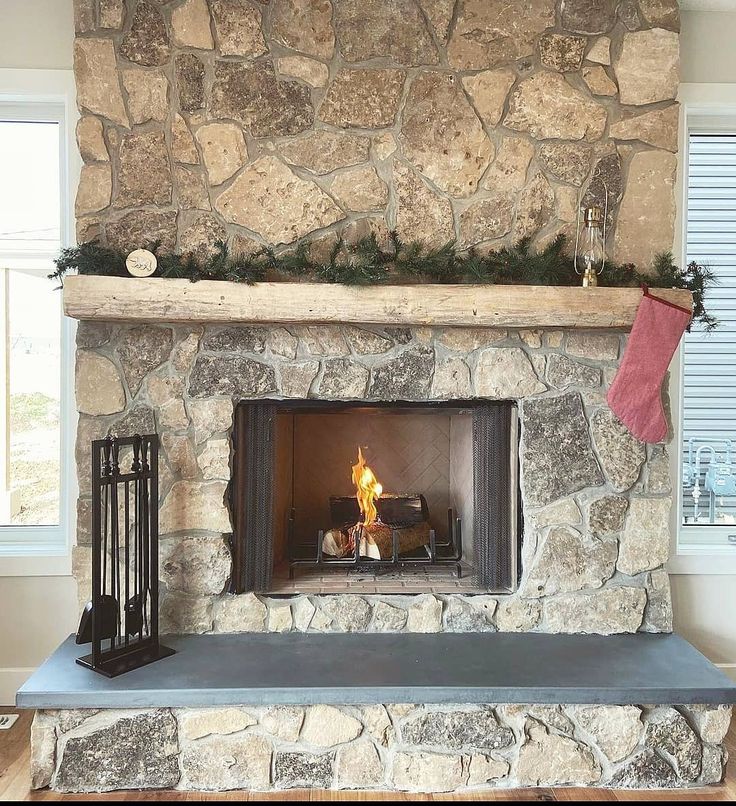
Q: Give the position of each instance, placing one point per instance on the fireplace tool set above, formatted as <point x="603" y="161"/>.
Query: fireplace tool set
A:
<point x="121" y="620"/>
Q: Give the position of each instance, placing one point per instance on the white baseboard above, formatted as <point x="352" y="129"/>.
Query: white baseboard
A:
<point x="10" y="681"/>
<point x="728" y="668"/>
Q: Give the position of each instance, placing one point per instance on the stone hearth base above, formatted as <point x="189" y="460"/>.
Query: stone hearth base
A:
<point x="380" y="747"/>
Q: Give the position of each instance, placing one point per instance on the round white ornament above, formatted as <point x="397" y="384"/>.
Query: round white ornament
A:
<point x="141" y="263"/>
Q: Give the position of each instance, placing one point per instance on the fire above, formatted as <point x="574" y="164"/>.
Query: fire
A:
<point x="368" y="489"/>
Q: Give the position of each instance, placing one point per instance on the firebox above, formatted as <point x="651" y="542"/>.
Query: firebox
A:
<point x="397" y="496"/>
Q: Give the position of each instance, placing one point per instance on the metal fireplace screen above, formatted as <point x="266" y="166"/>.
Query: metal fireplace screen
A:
<point x="494" y="512"/>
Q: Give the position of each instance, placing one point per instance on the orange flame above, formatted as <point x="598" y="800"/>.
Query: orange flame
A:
<point x="368" y="489"/>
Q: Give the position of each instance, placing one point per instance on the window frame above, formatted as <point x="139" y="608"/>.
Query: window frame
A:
<point x="49" y="95"/>
<point x="704" y="108"/>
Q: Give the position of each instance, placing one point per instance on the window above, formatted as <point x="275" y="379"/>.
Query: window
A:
<point x="36" y="359"/>
<point x="707" y="494"/>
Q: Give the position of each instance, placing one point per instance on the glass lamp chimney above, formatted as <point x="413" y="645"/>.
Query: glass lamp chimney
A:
<point x="591" y="254"/>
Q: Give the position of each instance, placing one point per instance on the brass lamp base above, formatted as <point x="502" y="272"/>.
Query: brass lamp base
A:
<point x="590" y="278"/>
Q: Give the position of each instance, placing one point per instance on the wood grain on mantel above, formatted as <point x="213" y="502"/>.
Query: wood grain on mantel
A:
<point x="154" y="299"/>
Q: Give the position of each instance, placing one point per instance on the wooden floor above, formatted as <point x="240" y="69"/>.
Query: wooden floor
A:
<point x="15" y="784"/>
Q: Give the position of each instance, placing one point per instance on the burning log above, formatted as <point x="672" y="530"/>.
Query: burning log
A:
<point x="410" y="537"/>
<point x="393" y="510"/>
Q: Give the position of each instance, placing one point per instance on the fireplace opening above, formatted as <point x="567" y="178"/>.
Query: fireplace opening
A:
<point x="391" y="497"/>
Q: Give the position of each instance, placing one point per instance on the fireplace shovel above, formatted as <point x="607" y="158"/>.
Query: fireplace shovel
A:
<point x="108" y="615"/>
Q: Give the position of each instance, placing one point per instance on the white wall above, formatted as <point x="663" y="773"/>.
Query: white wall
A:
<point x="36" y="613"/>
<point x="705" y="605"/>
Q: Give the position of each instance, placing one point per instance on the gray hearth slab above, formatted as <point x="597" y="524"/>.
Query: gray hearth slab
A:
<point x="267" y="669"/>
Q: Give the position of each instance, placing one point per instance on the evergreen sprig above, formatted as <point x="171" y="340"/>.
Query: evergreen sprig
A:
<point x="366" y="262"/>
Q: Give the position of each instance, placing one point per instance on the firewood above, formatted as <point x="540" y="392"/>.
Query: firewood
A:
<point x="393" y="510"/>
<point x="410" y="537"/>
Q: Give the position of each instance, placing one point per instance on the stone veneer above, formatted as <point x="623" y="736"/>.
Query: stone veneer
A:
<point x="270" y="121"/>
<point x="596" y="501"/>
<point x="392" y="747"/>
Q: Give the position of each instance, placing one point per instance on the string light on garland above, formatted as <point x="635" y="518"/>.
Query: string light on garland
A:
<point x="366" y="262"/>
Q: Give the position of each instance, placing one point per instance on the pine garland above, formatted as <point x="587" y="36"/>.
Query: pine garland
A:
<point x="365" y="262"/>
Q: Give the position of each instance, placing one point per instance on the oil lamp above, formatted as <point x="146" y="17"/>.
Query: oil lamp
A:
<point x="590" y="249"/>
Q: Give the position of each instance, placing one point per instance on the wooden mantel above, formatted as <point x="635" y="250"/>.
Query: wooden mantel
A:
<point x="122" y="299"/>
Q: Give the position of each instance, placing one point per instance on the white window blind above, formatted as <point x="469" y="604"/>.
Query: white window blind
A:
<point x="709" y="359"/>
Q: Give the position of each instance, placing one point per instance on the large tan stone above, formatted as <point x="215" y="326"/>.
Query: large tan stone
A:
<point x="487" y="219"/>
<point x="360" y="189"/>
<point x="505" y="373"/>
<point x="617" y="729"/>
<point x="210" y="416"/>
<point x="112" y="13"/>
<point x="359" y="766"/>
<point x="535" y="207"/>
<point x="98" y="81"/>
<point x="648" y="197"/>
<point x="97" y="384"/>
<point x="250" y="93"/>
<point x="508" y="170"/>
<point x="223" y="149"/>
<point x="238" y="28"/>
<point x="598" y="81"/>
<point x="95" y="188"/>
<point x="214" y="460"/>
<point x="184" y="613"/>
<point x="491" y="32"/>
<point x="194" y="505"/>
<point x="325" y="726"/>
<point x="427" y="772"/>
<point x="284" y="722"/>
<point x="424" y="614"/>
<point x="183" y="148"/>
<point x="144" y="175"/>
<point x="200" y="236"/>
<point x="190" y="25"/>
<point x="322" y="151"/>
<point x="310" y="71"/>
<point x="645" y="540"/>
<point x="148" y="95"/>
<point x="657" y="128"/>
<point x="488" y="91"/>
<point x="268" y="198"/>
<point x="605" y="612"/>
<point x="363" y="98"/>
<point x="198" y="565"/>
<point x="219" y="763"/>
<point x="439" y="13"/>
<point x="420" y="212"/>
<point x="199" y="722"/>
<point x="600" y="51"/>
<point x="369" y="29"/>
<point x="91" y="140"/>
<point x="191" y="188"/>
<point x="442" y="135"/>
<point x="647" y="68"/>
<point x="622" y="454"/>
<point x="304" y="25"/>
<point x="547" y="107"/>
<point x="243" y="613"/>
<point x="550" y="759"/>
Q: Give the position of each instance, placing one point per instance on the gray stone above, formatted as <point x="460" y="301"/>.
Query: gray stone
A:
<point x="406" y="377"/>
<point x="568" y="561"/>
<point x="547" y="107"/>
<point x="366" y="342"/>
<point x="143" y="156"/>
<point x="147" y="42"/>
<point x="646" y="770"/>
<point x="43" y="749"/>
<point x="589" y="16"/>
<point x="647" y="69"/>
<point x="130" y="752"/>
<point x="367" y="29"/>
<point x="143" y="228"/>
<point x="283" y="721"/>
<point x="191" y="188"/>
<point x="621" y="454"/>
<point x="507" y="172"/>
<point x="142" y="349"/>
<point x="661" y="13"/>
<point x="628" y="13"/>
<point x="190" y="506"/>
<point x="296" y="377"/>
<point x="713" y="766"/>
<point x="593" y="346"/>
<point x="363" y="98"/>
<point x="712" y="721"/>
<point x="387" y="618"/>
<point x="505" y="373"/>
<point x="476" y="728"/>
<point x="230" y="374"/>
<point x="421" y="213"/>
<point x="452" y="379"/>
<point x="250" y="93"/>
<point x="138" y="419"/>
<point x="219" y="763"/>
<point x="293" y="770"/>
<point x="189" y="73"/>
<point x="488" y="219"/>
<point x="535" y="207"/>
<point x="606" y="515"/>
<point x="658" y="616"/>
<point x="350" y="613"/>
<point x="305" y="26"/>
<point x="563" y="372"/>
<point x="645" y="541"/>
<point x="562" y="52"/>
<point x="606" y="183"/>
<point x="548" y="759"/>
<point x="556" y="452"/>
<point x="238" y="28"/>
<point x="324" y="151"/>
<point x="669" y="733"/>
<point x="567" y="161"/>
<point x="236" y="339"/>
<point x="605" y="612"/>
<point x="442" y="135"/>
<point x="199" y="565"/>
<point x="491" y="32"/>
<point x="462" y="615"/>
<point x="343" y="378"/>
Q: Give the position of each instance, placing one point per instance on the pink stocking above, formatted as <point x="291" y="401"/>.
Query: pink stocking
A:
<point x="635" y="396"/>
